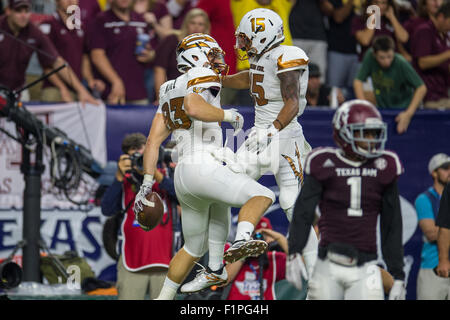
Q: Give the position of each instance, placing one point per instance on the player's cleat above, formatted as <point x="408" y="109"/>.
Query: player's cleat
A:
<point x="242" y="249"/>
<point x="205" y="278"/>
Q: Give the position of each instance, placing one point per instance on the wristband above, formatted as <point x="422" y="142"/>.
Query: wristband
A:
<point x="148" y="178"/>
<point x="281" y="125"/>
<point x="227" y="115"/>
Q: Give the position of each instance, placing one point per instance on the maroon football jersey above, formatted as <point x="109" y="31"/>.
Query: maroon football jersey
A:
<point x="352" y="195"/>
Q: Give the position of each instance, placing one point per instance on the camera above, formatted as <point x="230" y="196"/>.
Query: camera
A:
<point x="137" y="162"/>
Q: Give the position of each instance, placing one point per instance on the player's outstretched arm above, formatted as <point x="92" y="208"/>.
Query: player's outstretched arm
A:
<point x="290" y="89"/>
<point x="240" y="80"/>
<point x="158" y="133"/>
<point x="198" y="108"/>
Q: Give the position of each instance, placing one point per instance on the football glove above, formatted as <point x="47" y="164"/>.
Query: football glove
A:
<point x="259" y="139"/>
<point x="296" y="270"/>
<point x="398" y="291"/>
<point x="140" y="198"/>
<point x="235" y="119"/>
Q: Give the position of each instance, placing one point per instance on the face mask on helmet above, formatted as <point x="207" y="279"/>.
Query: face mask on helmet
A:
<point x="359" y="130"/>
<point x="216" y="59"/>
<point x="367" y="141"/>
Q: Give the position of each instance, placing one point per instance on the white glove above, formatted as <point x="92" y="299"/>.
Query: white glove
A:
<point x="235" y="119"/>
<point x="259" y="139"/>
<point x="296" y="270"/>
<point x="140" y="199"/>
<point x="227" y="155"/>
<point x="398" y="291"/>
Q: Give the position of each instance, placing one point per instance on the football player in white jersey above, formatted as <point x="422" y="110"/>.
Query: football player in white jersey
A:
<point x="277" y="79"/>
<point x="190" y="109"/>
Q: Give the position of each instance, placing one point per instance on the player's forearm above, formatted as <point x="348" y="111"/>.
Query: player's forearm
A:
<point x="158" y="133"/>
<point x="239" y="80"/>
<point x="443" y="242"/>
<point x="196" y="107"/>
<point x="287" y="113"/>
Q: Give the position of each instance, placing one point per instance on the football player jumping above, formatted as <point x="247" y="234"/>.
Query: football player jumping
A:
<point x="277" y="79"/>
<point x="189" y="108"/>
<point x="352" y="184"/>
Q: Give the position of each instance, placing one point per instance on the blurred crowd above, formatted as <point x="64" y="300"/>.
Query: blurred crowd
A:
<point x="394" y="53"/>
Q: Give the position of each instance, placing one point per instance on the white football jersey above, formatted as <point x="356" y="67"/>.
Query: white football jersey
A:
<point x="265" y="84"/>
<point x="191" y="135"/>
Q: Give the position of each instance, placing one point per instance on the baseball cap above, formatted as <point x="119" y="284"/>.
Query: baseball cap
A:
<point x="15" y="4"/>
<point x="437" y="161"/>
<point x="264" y="223"/>
<point x="314" y="70"/>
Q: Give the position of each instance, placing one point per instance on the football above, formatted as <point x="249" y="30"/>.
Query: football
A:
<point x="152" y="211"/>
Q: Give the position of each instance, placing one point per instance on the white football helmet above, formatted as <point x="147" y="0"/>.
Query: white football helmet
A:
<point x="259" y="30"/>
<point x="200" y="50"/>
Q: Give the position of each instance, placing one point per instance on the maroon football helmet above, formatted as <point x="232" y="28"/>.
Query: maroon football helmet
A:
<point x="359" y="116"/>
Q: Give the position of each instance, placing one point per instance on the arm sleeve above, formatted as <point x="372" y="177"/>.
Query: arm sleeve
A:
<point x="303" y="215"/>
<point x="112" y="199"/>
<point x="443" y="218"/>
<point x="392" y="232"/>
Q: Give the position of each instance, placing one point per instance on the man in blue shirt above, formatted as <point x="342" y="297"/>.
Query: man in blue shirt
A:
<point x="429" y="284"/>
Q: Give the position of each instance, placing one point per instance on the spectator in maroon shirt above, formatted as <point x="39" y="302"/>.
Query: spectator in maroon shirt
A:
<point x="19" y="38"/>
<point x="88" y="9"/>
<point x="71" y="46"/>
<point x="389" y="25"/>
<point x="430" y="48"/>
<point x="196" y="21"/>
<point x="157" y="16"/>
<point x="426" y="10"/>
<point x="112" y="41"/>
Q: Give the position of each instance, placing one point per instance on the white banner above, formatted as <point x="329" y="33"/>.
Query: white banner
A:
<point x="84" y="125"/>
<point x="61" y="231"/>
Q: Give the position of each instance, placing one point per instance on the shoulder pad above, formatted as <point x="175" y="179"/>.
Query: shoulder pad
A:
<point x="166" y="86"/>
<point x="393" y="162"/>
<point x="317" y="154"/>
<point x="202" y="77"/>
<point x="291" y="58"/>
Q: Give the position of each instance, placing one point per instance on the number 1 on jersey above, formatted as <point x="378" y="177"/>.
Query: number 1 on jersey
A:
<point x="355" y="197"/>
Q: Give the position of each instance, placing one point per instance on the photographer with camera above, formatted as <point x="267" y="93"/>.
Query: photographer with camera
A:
<point x="144" y="256"/>
<point x="255" y="278"/>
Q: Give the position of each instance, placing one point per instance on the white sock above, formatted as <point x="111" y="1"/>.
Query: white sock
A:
<point x="216" y="250"/>
<point x="244" y="230"/>
<point x="169" y="290"/>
